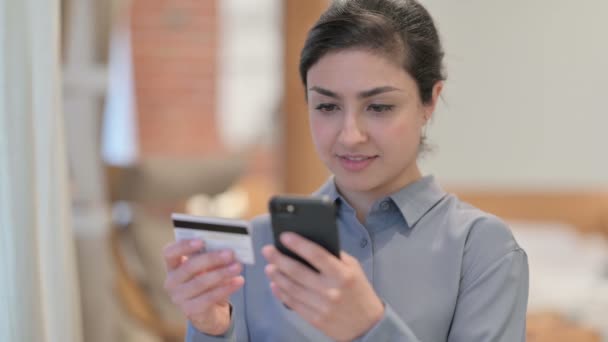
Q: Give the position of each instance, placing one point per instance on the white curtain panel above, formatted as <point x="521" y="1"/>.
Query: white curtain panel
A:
<point x="39" y="296"/>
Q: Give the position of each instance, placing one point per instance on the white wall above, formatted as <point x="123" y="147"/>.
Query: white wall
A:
<point x="526" y="101"/>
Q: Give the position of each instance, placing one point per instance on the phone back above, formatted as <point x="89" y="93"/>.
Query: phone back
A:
<point x="311" y="217"/>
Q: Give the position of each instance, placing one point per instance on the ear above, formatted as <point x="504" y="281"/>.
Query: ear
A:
<point x="429" y="108"/>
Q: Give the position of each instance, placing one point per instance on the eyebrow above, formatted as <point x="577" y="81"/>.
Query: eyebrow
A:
<point x="361" y="95"/>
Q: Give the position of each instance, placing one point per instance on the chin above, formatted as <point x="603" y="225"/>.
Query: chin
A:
<point x="355" y="183"/>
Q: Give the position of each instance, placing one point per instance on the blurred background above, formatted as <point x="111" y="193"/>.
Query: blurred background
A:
<point x="116" y="113"/>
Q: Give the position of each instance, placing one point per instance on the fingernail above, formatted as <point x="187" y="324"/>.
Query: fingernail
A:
<point x="268" y="269"/>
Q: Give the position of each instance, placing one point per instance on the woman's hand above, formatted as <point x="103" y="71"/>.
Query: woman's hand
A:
<point x="200" y="284"/>
<point x="338" y="300"/>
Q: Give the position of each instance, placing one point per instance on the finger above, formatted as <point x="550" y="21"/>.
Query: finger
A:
<point x="293" y="268"/>
<point x="203" y="302"/>
<point x="201" y="263"/>
<point x="316" y="255"/>
<point x="206" y="281"/>
<point x="173" y="252"/>
<point x="307" y="312"/>
<point x="348" y="259"/>
<point x="313" y="298"/>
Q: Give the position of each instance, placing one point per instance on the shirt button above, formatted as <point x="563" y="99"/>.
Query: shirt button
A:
<point x="363" y="243"/>
<point x="385" y="205"/>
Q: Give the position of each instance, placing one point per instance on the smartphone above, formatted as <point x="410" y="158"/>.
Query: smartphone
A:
<point x="313" y="218"/>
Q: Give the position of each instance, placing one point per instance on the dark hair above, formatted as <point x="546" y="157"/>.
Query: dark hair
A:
<point x="402" y="29"/>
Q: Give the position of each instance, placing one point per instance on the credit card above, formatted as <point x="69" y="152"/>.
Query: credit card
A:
<point x="218" y="233"/>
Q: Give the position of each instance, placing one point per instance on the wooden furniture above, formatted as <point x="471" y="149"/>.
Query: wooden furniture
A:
<point x="153" y="189"/>
<point x="553" y="327"/>
<point x="155" y="192"/>
<point x="134" y="299"/>
<point x="585" y="210"/>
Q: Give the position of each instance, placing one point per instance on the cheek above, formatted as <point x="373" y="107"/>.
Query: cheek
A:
<point x="322" y="131"/>
<point x="400" y="136"/>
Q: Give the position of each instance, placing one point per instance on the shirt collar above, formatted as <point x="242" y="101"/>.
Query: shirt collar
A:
<point x="418" y="198"/>
<point x="328" y="189"/>
<point x="414" y="200"/>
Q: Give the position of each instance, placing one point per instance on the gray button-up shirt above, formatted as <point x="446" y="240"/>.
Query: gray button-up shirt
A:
<point x="445" y="271"/>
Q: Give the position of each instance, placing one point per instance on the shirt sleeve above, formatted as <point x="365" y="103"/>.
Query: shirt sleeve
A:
<point x="390" y="328"/>
<point x="492" y="305"/>
<point x="194" y="335"/>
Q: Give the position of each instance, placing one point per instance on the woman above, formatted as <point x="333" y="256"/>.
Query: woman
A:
<point x="417" y="264"/>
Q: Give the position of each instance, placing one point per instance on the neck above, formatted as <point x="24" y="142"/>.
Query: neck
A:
<point x="363" y="200"/>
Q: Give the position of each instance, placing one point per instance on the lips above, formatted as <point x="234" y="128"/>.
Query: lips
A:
<point x="355" y="162"/>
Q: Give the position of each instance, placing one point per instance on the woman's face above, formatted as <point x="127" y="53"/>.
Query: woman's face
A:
<point x="366" y="118"/>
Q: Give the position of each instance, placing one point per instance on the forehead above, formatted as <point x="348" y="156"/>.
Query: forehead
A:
<point x="358" y="69"/>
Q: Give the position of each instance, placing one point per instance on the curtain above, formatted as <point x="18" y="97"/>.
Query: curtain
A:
<point x="39" y="294"/>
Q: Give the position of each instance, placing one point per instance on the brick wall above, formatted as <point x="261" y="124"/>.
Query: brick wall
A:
<point x="174" y="53"/>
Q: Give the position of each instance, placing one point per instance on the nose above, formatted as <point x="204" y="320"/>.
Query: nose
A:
<point x="352" y="132"/>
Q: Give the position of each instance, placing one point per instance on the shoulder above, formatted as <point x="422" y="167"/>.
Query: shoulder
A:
<point x="476" y="225"/>
<point x="490" y="253"/>
<point x="486" y="242"/>
<point x="484" y="237"/>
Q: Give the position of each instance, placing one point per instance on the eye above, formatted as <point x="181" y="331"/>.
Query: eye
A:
<point x="326" y="107"/>
<point x="380" y="108"/>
